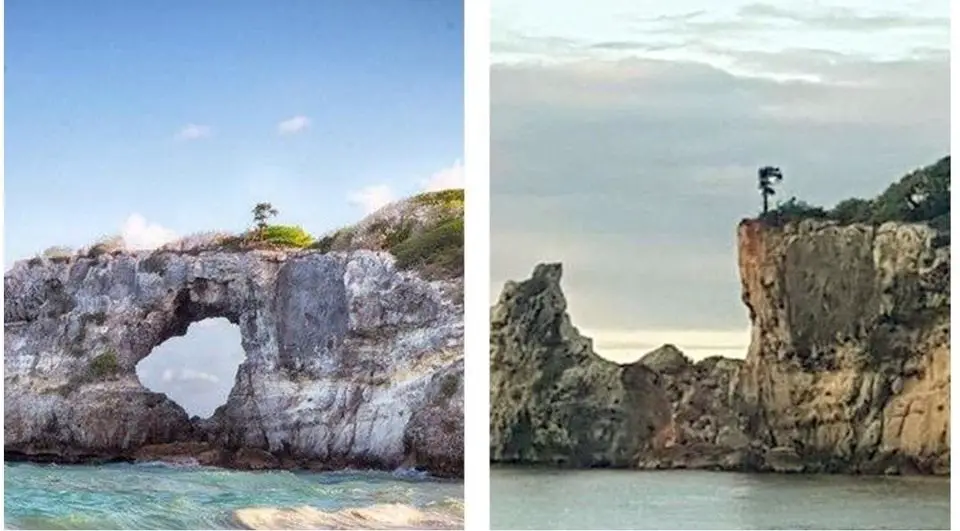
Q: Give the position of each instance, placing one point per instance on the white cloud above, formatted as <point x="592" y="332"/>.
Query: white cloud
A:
<point x="189" y="374"/>
<point x="452" y="177"/>
<point x="194" y="132"/>
<point x="372" y="198"/>
<point x="167" y="375"/>
<point x="293" y="125"/>
<point x="138" y="234"/>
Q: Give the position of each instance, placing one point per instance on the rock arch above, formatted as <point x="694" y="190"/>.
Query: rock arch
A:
<point x="343" y="352"/>
<point x="196" y="370"/>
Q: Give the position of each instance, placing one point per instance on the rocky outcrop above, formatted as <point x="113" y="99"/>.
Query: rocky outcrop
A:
<point x="706" y="431"/>
<point x="847" y="370"/>
<point x="349" y="360"/>
<point x="849" y="361"/>
<point x="553" y="400"/>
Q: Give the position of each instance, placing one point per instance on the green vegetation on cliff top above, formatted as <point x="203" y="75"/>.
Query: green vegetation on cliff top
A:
<point x="424" y="233"/>
<point x="436" y="252"/>
<point x="921" y="196"/>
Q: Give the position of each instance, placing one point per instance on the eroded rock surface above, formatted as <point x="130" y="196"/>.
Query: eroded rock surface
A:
<point x="847" y="370"/>
<point x="706" y="430"/>
<point x="344" y="358"/>
<point x="553" y="400"/>
<point x="849" y="361"/>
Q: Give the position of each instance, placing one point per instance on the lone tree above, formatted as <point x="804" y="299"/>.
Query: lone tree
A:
<point x="766" y="177"/>
<point x="261" y="212"/>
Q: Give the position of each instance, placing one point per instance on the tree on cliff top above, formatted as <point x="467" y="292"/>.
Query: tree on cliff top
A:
<point x="921" y="196"/>
<point x="766" y="176"/>
<point x="262" y="212"/>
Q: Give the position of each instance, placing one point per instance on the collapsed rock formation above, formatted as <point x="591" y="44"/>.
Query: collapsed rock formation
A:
<point x="349" y="361"/>
<point x="847" y="371"/>
<point x="705" y="428"/>
<point x="553" y="400"/>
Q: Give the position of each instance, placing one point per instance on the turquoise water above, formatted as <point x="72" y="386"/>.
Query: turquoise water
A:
<point x="156" y="496"/>
<point x="607" y="499"/>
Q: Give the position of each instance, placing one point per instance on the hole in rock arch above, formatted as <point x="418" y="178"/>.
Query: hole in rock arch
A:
<point x="195" y="370"/>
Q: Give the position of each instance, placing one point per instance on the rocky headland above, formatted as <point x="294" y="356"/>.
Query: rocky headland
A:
<point x="847" y="370"/>
<point x="354" y="348"/>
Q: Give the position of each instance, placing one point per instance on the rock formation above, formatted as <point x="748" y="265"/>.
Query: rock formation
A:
<point x="706" y="430"/>
<point x="849" y="362"/>
<point x="847" y="370"/>
<point x="350" y="361"/>
<point x="553" y="400"/>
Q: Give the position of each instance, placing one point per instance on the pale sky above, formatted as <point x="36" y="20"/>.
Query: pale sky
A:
<point x="625" y="139"/>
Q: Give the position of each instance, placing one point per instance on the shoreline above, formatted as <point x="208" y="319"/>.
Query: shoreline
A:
<point x="203" y="455"/>
<point x="547" y="467"/>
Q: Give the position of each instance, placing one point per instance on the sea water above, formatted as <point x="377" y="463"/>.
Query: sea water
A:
<point x="608" y="499"/>
<point x="159" y="496"/>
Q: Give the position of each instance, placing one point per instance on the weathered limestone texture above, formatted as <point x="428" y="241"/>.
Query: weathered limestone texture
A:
<point x="848" y="369"/>
<point x="552" y="399"/>
<point x="350" y="361"/>
<point x="705" y="429"/>
<point x="849" y="362"/>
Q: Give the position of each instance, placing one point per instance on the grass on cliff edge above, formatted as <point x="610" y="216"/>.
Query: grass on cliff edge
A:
<point x="435" y="251"/>
<point x="921" y="196"/>
<point x="450" y="199"/>
<point x="286" y="236"/>
<point x="271" y="237"/>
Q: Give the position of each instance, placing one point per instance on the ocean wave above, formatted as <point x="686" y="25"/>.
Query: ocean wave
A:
<point x="411" y="473"/>
<point x="380" y="516"/>
<point x="184" y="462"/>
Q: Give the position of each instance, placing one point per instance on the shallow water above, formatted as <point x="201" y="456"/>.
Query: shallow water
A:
<point x="608" y="499"/>
<point x="156" y="496"/>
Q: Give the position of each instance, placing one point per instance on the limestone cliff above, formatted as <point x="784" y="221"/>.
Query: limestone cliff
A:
<point x="849" y="362"/>
<point x="350" y="361"/>
<point x="553" y="400"/>
<point x="848" y="369"/>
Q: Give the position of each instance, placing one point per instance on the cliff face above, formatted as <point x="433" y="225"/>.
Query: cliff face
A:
<point x="847" y="371"/>
<point x="552" y="399"/>
<point x="349" y="361"/>
<point x="849" y="362"/>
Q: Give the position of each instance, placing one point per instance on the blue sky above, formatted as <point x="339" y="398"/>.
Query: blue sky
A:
<point x="158" y="119"/>
<point x="175" y="117"/>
